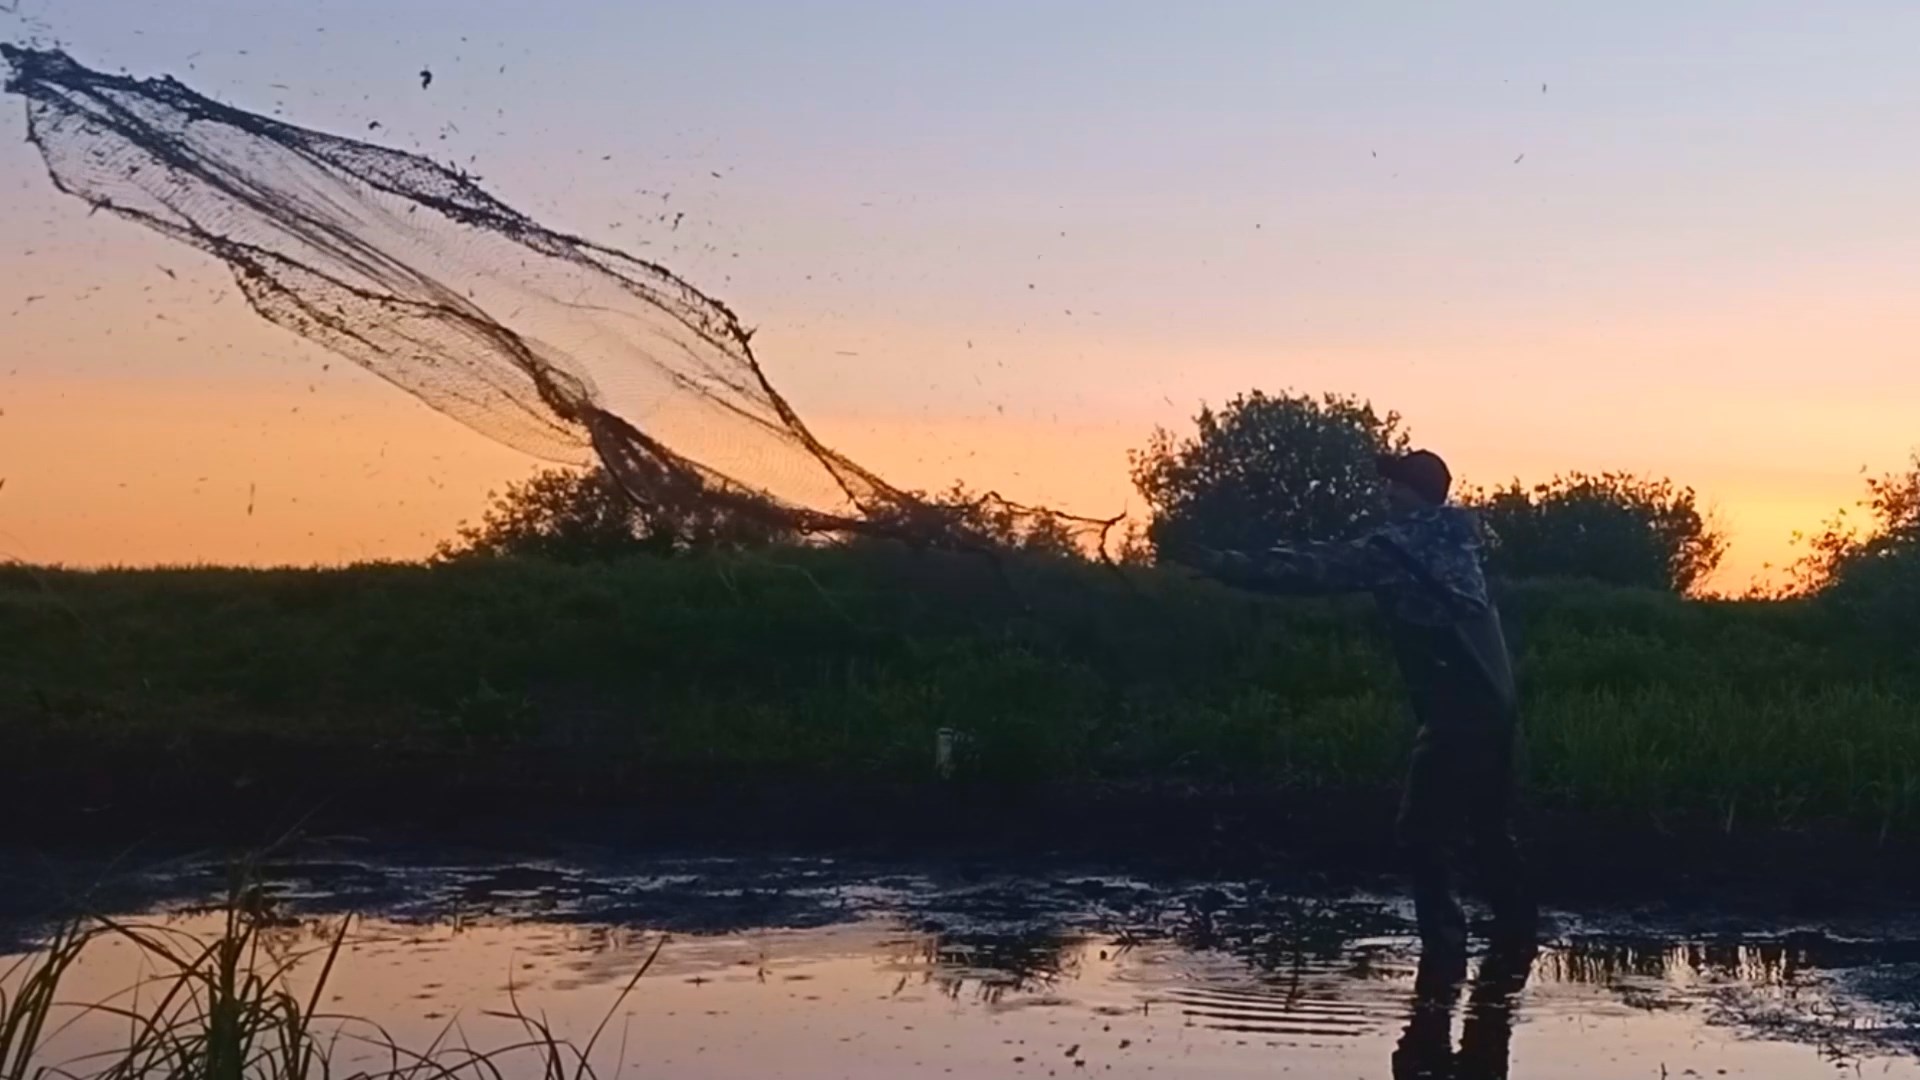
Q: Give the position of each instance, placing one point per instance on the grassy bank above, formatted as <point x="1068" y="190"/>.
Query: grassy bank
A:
<point x="838" y="667"/>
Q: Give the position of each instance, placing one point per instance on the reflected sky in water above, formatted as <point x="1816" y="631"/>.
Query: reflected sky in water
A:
<point x="818" y="969"/>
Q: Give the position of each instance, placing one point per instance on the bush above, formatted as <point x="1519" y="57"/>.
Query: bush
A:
<point x="1841" y="552"/>
<point x="1868" y="581"/>
<point x="1265" y="470"/>
<point x="1613" y="528"/>
<point x="570" y="515"/>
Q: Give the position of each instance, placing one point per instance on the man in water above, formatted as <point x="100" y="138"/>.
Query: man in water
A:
<point x="1423" y="565"/>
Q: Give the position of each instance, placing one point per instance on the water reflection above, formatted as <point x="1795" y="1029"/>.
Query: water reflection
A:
<point x="1763" y="963"/>
<point x="1425" y="1050"/>
<point x="1003" y="973"/>
<point x="988" y="970"/>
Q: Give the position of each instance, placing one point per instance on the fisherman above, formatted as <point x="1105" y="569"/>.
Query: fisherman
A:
<point x="1423" y="565"/>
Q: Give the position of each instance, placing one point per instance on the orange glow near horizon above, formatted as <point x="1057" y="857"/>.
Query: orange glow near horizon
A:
<point x="166" y="473"/>
<point x="152" y="419"/>
<point x="282" y="454"/>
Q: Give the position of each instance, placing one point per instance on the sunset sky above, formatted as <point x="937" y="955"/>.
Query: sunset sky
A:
<point x="1002" y="241"/>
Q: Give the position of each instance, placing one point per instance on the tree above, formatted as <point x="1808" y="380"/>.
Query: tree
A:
<point x="1614" y="527"/>
<point x="960" y="517"/>
<point x="1843" y="558"/>
<point x="1002" y="525"/>
<point x="1871" y="579"/>
<point x="1135" y="547"/>
<point x="572" y="515"/>
<point x="1267" y="469"/>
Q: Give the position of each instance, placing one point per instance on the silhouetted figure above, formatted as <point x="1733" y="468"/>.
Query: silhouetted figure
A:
<point x="1425" y="1050"/>
<point x="1424" y="567"/>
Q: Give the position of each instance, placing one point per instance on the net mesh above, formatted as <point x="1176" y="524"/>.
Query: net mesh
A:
<point x="556" y="345"/>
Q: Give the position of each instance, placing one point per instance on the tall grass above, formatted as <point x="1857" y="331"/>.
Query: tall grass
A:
<point x="840" y="666"/>
<point x="29" y="990"/>
<point x="227" y="1008"/>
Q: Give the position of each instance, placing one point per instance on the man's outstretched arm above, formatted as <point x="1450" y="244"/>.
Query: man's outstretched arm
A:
<point x="1298" y="569"/>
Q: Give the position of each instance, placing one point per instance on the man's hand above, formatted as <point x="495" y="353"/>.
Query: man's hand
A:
<point x="1225" y="565"/>
<point x="1279" y="571"/>
<point x="1186" y="553"/>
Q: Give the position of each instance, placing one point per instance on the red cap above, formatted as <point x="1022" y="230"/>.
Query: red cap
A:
<point x="1421" y="470"/>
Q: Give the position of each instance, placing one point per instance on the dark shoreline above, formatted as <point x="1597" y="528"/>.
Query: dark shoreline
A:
<point x="513" y="802"/>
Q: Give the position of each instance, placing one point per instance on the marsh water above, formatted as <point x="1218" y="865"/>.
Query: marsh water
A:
<point x="814" y="967"/>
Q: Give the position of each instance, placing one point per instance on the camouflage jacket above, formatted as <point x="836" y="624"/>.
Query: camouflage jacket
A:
<point x="1425" y="567"/>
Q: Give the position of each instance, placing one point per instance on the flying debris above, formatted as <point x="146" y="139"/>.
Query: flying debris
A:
<point x="426" y="78"/>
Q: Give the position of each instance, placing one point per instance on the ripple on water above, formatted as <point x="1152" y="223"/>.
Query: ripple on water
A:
<point x="808" y="967"/>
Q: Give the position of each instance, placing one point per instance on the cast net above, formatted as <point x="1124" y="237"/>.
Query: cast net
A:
<point x="556" y="345"/>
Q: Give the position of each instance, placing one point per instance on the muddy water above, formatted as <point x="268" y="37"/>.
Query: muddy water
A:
<point x="811" y="968"/>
